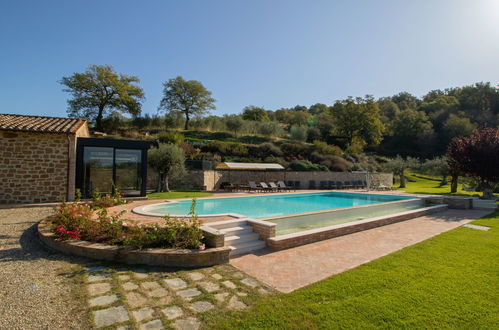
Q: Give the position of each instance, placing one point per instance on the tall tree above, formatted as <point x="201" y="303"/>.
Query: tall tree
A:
<point x="100" y="91"/>
<point x="255" y="113"/>
<point x="358" y="120"/>
<point x="477" y="156"/>
<point x="187" y="96"/>
<point x="399" y="165"/>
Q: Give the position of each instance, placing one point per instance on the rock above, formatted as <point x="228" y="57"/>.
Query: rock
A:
<point x="135" y="299"/>
<point x="189" y="293"/>
<point x="95" y="269"/>
<point x="189" y="323"/>
<point x="209" y="286"/>
<point x="236" y="304"/>
<point x="237" y="275"/>
<point x="129" y="286"/>
<point x="98" y="278"/>
<point x="201" y="306"/>
<point x="143" y="314"/>
<point x="140" y="274"/>
<point x="150" y="285"/>
<point x="221" y="296"/>
<point x="216" y="276"/>
<point x="229" y="284"/>
<point x="250" y="282"/>
<point x="108" y="316"/>
<point x="242" y="294"/>
<point x="173" y="312"/>
<point x="102" y="300"/>
<point x="161" y="292"/>
<point x="151" y="325"/>
<point x="195" y="276"/>
<point x="176" y="283"/>
<point x="165" y="300"/>
<point x="124" y="277"/>
<point x="98" y="288"/>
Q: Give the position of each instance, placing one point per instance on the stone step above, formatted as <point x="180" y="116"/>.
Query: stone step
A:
<point x="246" y="247"/>
<point x="228" y="224"/>
<point x="241" y="237"/>
<point x="237" y="230"/>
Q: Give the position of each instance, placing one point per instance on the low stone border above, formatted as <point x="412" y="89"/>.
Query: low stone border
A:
<point x="154" y="257"/>
<point x="309" y="236"/>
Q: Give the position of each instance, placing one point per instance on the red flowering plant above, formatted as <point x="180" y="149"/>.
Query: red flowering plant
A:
<point x="68" y="218"/>
<point x="100" y="201"/>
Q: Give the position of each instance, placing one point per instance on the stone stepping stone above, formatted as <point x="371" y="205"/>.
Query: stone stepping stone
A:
<point x="236" y="304"/>
<point x="226" y="268"/>
<point x="129" y="286"/>
<point x="150" y="285"/>
<point x="484" y="228"/>
<point x="263" y="290"/>
<point x="98" y="288"/>
<point x="176" y="283"/>
<point x="173" y="312"/>
<point x="158" y="293"/>
<point x="195" y="276"/>
<point x="216" y="276"/>
<point x="237" y="275"/>
<point x="250" y="282"/>
<point x="98" y="278"/>
<point x="189" y="323"/>
<point x="95" y="269"/>
<point x="201" y="306"/>
<point x="229" y="284"/>
<point x="143" y="314"/>
<point x="189" y="293"/>
<point x="165" y="300"/>
<point x="242" y="294"/>
<point x="108" y="316"/>
<point x="124" y="277"/>
<point x="135" y="299"/>
<point x="209" y="286"/>
<point x="140" y="274"/>
<point x="152" y="325"/>
<point x="102" y="300"/>
<point x="220" y="297"/>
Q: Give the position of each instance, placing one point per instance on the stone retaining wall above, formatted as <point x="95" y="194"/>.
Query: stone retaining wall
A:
<point x="212" y="179"/>
<point x="153" y="257"/>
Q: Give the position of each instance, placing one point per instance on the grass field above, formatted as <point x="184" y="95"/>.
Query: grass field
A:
<point x="424" y="184"/>
<point x="448" y="282"/>
<point x="178" y="194"/>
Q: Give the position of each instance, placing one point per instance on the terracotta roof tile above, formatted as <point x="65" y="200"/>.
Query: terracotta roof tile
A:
<point x="40" y="124"/>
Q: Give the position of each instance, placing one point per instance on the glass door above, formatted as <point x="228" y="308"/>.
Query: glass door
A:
<point x="128" y="175"/>
<point x="98" y="170"/>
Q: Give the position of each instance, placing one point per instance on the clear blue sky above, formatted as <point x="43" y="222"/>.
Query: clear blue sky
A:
<point x="267" y="53"/>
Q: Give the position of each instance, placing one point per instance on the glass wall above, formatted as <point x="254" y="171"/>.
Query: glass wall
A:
<point x="128" y="166"/>
<point x="98" y="170"/>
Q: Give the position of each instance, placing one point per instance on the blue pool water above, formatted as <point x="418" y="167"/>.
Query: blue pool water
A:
<point x="273" y="205"/>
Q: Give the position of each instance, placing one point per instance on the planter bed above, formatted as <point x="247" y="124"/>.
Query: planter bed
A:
<point x="154" y="257"/>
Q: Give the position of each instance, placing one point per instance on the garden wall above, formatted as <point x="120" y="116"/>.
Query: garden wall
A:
<point x="212" y="179"/>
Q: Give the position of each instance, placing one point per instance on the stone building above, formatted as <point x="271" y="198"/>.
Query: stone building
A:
<point x="38" y="157"/>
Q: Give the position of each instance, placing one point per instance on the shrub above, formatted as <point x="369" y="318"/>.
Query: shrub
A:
<point x="108" y="200"/>
<point x="71" y="215"/>
<point x="334" y="163"/>
<point x="327" y="149"/>
<point x="268" y="149"/>
<point x="297" y="150"/>
<point x="298" y="133"/>
<point x="174" y="138"/>
<point x="305" y="165"/>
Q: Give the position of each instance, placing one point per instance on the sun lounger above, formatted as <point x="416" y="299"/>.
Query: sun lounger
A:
<point x="265" y="187"/>
<point x="282" y="186"/>
<point x="273" y="186"/>
<point x="254" y="187"/>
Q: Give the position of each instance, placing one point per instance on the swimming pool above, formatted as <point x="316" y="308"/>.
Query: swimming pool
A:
<point x="265" y="206"/>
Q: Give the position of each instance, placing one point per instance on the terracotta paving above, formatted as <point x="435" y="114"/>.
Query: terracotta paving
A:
<point x="294" y="268"/>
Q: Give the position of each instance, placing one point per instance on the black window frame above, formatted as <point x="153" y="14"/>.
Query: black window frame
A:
<point x="81" y="143"/>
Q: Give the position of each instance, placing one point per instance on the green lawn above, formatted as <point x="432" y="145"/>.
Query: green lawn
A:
<point x="178" y="194"/>
<point x="450" y="281"/>
<point x="430" y="185"/>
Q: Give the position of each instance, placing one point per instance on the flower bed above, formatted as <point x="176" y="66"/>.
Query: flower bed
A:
<point x="87" y="229"/>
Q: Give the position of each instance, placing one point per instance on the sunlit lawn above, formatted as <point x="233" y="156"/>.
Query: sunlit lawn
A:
<point x="448" y="282"/>
<point x="178" y="194"/>
<point x="429" y="185"/>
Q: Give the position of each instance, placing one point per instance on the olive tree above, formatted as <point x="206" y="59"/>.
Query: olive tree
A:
<point x="437" y="166"/>
<point x="168" y="160"/>
<point x="399" y="165"/>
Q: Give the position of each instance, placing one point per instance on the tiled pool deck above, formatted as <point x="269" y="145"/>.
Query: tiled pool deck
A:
<point x="297" y="267"/>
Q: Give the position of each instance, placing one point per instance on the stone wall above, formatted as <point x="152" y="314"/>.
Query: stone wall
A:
<point x="37" y="167"/>
<point x="211" y="180"/>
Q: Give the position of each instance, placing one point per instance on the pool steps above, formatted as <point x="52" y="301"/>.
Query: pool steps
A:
<point x="239" y="236"/>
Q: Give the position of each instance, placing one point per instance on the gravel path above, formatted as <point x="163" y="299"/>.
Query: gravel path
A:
<point x="37" y="289"/>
